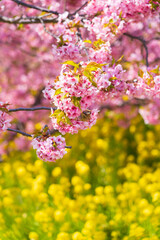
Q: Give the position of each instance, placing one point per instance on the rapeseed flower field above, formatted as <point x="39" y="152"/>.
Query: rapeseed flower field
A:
<point x="106" y="188"/>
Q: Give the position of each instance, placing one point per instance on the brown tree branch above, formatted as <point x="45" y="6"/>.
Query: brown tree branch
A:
<point x="20" y="132"/>
<point x="35" y="7"/>
<point x="31" y="109"/>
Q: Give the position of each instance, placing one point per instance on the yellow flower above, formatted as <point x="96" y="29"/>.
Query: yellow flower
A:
<point x="82" y="168"/>
<point x="77" y="236"/>
<point x="33" y="236"/>
<point x="59" y="216"/>
<point x="7" y="201"/>
<point x="41" y="216"/>
<point x="56" y="172"/>
<point x="63" y="236"/>
<point x="20" y="171"/>
<point x="87" y="186"/>
<point x="76" y="180"/>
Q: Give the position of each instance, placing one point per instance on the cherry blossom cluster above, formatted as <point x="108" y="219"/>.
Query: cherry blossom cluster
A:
<point x="77" y="91"/>
<point x="49" y="149"/>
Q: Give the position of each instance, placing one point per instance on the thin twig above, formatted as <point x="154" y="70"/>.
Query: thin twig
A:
<point x="27" y="135"/>
<point x="20" y="132"/>
<point x="79" y="9"/>
<point x="46" y="30"/>
<point x="68" y="147"/>
<point x="35" y="7"/>
<point x="32" y="109"/>
<point x="143" y="42"/>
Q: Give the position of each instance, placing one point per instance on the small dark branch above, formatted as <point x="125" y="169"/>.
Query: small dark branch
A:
<point x="35" y="7"/>
<point x="26" y="134"/>
<point x="27" y="20"/>
<point x="32" y="109"/>
<point x="146" y="49"/>
<point x="143" y="42"/>
<point x="45" y="29"/>
<point x="20" y="132"/>
<point x="79" y="9"/>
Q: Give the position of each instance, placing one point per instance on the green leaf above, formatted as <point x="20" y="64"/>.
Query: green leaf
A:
<point x="20" y="26"/>
<point x="113" y="61"/>
<point x="120" y="15"/>
<point x="88" y="41"/>
<point x="77" y="25"/>
<point x="98" y="43"/>
<point x="78" y="77"/>
<point x="120" y="59"/>
<point x="140" y="73"/>
<point x="58" y="91"/>
<point x="76" y="101"/>
<point x="92" y="67"/>
<point x="68" y="120"/>
<point x="110" y="87"/>
<point x="87" y="74"/>
<point x="56" y="112"/>
<point x="154" y="4"/>
<point x="61" y="117"/>
<point x="75" y="65"/>
<point x="155" y="70"/>
<point x="112" y="78"/>
<point x="93" y="83"/>
<point x="61" y="42"/>
<point x="64" y="96"/>
<point x="71" y="63"/>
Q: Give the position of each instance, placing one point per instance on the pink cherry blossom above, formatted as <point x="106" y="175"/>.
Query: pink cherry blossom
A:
<point x="49" y="149"/>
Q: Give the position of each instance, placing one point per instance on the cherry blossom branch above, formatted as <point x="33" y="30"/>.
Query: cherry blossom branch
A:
<point x="37" y="19"/>
<point x="144" y="43"/>
<point x="32" y="109"/>
<point x="20" y="132"/>
<point x="35" y="7"/>
<point x="26" y="134"/>
<point x="26" y="20"/>
<point x="45" y="9"/>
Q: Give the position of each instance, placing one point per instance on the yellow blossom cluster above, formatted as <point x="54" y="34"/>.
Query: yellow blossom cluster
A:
<point x="106" y="188"/>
